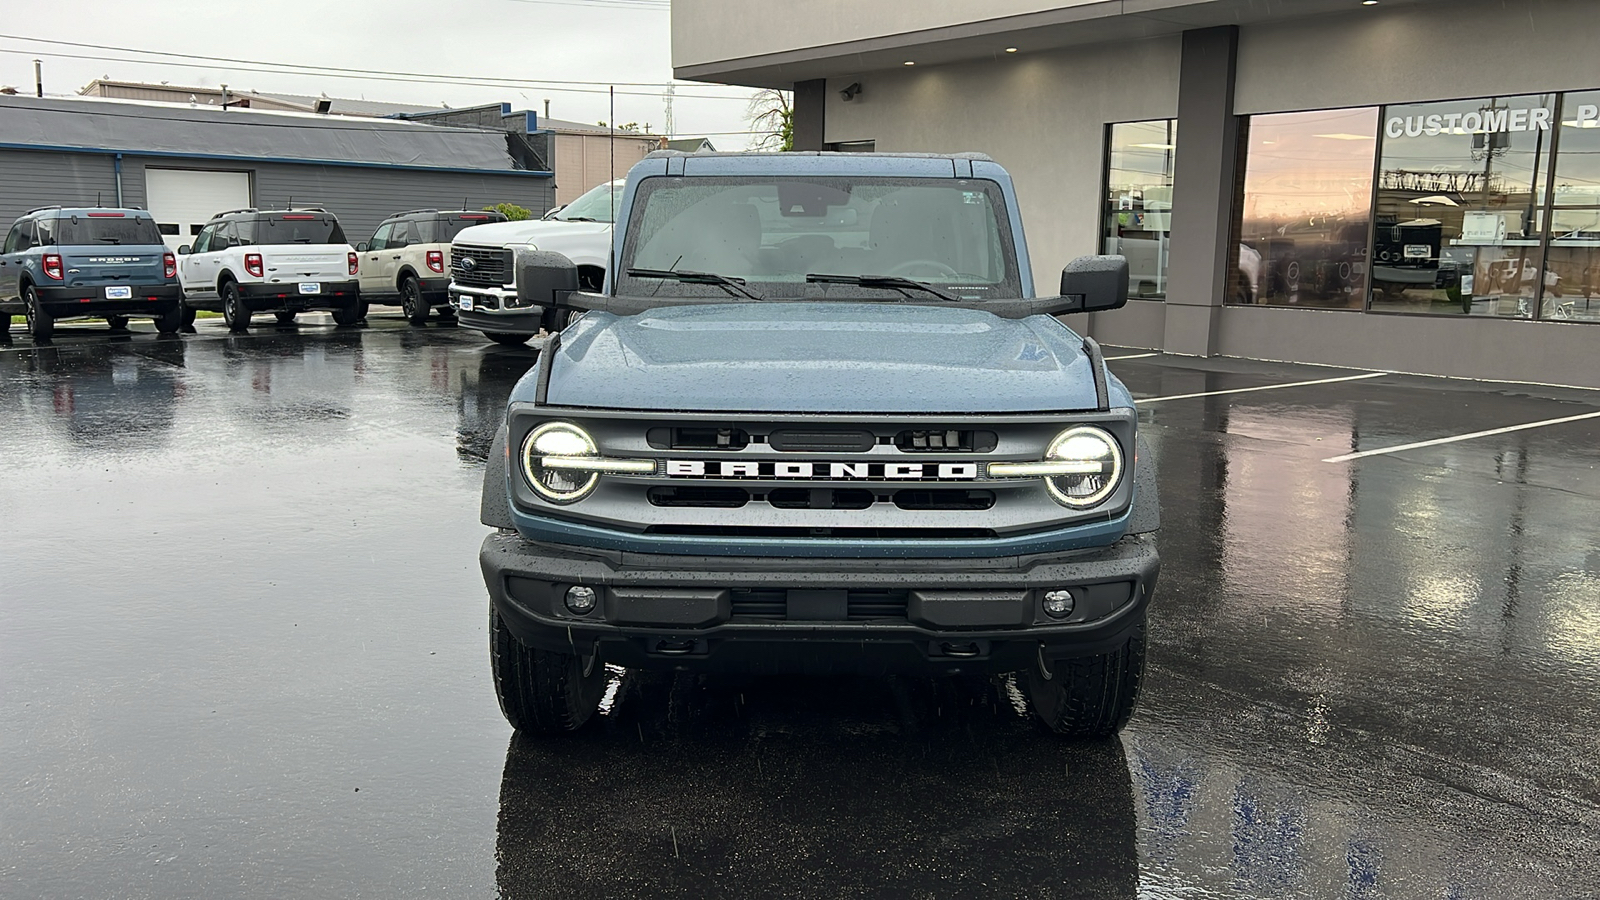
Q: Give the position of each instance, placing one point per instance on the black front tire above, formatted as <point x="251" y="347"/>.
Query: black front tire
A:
<point x="555" y="319"/>
<point x="285" y="316"/>
<point x="506" y="338"/>
<point x="1089" y="697"/>
<point x="542" y="692"/>
<point x="350" y="315"/>
<point x="40" y="323"/>
<point x="170" y="321"/>
<point x="411" y="302"/>
<point x="234" y="312"/>
<point x="186" y="314"/>
<point x="117" y="323"/>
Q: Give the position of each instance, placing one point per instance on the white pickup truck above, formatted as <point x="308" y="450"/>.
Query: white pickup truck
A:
<point x="483" y="273"/>
<point x="247" y="261"/>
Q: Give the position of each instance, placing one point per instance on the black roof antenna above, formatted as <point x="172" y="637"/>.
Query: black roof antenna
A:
<point x="97" y="199"/>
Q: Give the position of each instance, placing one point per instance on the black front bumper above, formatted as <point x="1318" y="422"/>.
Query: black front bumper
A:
<point x="146" y="300"/>
<point x="287" y="296"/>
<point x="808" y="615"/>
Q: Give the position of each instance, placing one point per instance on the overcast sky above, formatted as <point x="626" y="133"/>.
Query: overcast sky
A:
<point x="602" y="41"/>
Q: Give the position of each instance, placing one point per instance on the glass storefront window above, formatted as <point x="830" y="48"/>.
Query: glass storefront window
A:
<point x="1305" y="209"/>
<point x="1572" y="271"/>
<point x="1138" y="212"/>
<point x="1459" y="189"/>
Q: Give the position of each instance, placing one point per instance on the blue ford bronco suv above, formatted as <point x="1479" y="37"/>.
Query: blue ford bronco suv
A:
<point x="817" y="421"/>
<point x="60" y="263"/>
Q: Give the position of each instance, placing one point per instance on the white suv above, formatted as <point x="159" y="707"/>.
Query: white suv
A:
<point x="483" y="275"/>
<point x="247" y="261"/>
<point x="405" y="261"/>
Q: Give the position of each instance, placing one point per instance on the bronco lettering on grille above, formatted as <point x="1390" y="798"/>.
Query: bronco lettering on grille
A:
<point x="831" y="471"/>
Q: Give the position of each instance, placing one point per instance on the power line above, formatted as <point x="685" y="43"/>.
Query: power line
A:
<point x="434" y="77"/>
<point x="48" y="54"/>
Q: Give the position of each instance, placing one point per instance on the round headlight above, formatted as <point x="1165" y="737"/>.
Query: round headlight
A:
<point x="1098" y="469"/>
<point x="558" y="439"/>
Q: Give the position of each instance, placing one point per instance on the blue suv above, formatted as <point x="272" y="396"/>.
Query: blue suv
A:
<point x="68" y="263"/>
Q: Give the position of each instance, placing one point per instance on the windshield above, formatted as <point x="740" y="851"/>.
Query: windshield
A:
<point x="448" y="225"/>
<point x="595" y="205"/>
<point x="773" y="232"/>
<point x="105" y="228"/>
<point x="299" y="228"/>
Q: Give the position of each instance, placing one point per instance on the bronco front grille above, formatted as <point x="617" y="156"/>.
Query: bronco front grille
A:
<point x="773" y="603"/>
<point x="489" y="266"/>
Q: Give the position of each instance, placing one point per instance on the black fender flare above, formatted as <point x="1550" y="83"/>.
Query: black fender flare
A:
<point x="495" y="508"/>
<point x="1146" y="514"/>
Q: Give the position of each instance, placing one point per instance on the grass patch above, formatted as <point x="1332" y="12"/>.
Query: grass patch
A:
<point x="198" y="314"/>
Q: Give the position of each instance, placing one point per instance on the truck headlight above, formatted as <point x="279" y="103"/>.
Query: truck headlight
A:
<point x="1095" y="463"/>
<point x="558" y="439"/>
<point x="1081" y="467"/>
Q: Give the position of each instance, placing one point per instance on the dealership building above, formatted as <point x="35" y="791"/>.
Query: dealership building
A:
<point x="1409" y="185"/>
<point x="186" y="162"/>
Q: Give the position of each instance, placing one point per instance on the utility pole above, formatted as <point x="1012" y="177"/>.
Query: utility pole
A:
<point x="669" y="127"/>
<point x="547" y="107"/>
<point x="38" y="78"/>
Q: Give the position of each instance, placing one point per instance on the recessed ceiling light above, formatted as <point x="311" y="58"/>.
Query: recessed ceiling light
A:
<point x="911" y="62"/>
<point x="1011" y="49"/>
<point x="1369" y="2"/>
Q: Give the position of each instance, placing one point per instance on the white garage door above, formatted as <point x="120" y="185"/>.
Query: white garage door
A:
<point x="184" y="200"/>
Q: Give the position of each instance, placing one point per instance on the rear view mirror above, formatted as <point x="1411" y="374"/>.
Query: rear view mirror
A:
<point x="1098" y="283"/>
<point x="184" y="250"/>
<point x="363" y="247"/>
<point x="544" y="278"/>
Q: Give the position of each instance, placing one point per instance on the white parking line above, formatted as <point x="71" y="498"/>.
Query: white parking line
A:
<point x="1133" y="356"/>
<point x="1461" y="437"/>
<point x="1265" y="387"/>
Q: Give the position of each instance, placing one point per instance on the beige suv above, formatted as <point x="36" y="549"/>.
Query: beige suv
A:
<point x="406" y="263"/>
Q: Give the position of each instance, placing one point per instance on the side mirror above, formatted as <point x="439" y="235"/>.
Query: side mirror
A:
<point x="544" y="278"/>
<point x="1096" y="283"/>
<point x="553" y="210"/>
<point x="185" y="250"/>
<point x="363" y="247"/>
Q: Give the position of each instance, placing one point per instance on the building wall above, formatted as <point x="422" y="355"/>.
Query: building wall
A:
<point x="30" y="179"/>
<point x="361" y="197"/>
<point x="707" y="30"/>
<point x="1468" y="48"/>
<point x="584" y="161"/>
<point x="1043" y="116"/>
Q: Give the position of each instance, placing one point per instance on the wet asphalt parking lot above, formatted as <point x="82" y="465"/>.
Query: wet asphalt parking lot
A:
<point x="243" y="653"/>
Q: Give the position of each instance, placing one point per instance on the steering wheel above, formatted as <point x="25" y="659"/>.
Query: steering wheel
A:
<point x="905" y="269"/>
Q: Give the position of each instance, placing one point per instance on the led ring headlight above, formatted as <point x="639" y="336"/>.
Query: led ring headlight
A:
<point x="559" y="484"/>
<point x="1081" y="467"/>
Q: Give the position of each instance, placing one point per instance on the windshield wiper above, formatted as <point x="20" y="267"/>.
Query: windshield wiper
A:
<point x="883" y="281"/>
<point x="732" y="285"/>
<point x="577" y="219"/>
<point x="112" y="240"/>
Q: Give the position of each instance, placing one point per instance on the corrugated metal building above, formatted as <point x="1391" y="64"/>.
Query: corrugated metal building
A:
<point x="186" y="163"/>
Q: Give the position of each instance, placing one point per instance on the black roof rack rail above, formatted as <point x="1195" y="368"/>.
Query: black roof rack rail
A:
<point x="410" y="212"/>
<point x="229" y="212"/>
<point x="42" y="209"/>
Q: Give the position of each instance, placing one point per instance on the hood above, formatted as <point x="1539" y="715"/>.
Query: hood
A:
<point x="820" y="357"/>
<point x="528" y="231"/>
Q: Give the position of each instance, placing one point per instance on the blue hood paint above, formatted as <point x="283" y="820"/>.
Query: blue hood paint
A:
<point x="884" y="357"/>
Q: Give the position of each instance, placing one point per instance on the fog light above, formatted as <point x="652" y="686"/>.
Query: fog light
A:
<point x="580" y="599"/>
<point x="1057" y="604"/>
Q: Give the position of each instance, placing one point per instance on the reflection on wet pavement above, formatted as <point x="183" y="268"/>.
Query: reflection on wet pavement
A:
<point x="242" y="630"/>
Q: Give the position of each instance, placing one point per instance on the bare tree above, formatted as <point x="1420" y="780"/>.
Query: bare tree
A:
<point x="771" y="118"/>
